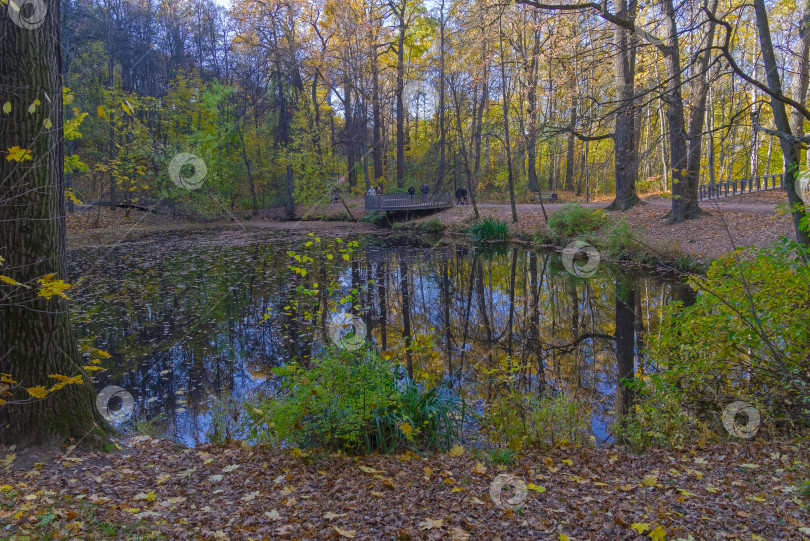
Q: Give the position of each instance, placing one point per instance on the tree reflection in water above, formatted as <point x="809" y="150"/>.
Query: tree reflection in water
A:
<point x="184" y="319"/>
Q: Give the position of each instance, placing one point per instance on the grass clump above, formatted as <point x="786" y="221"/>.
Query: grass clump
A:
<point x="356" y="402"/>
<point x="573" y="219"/>
<point x="489" y="229"/>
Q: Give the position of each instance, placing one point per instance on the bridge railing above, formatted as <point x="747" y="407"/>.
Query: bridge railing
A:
<point x="746" y="185"/>
<point x="403" y="201"/>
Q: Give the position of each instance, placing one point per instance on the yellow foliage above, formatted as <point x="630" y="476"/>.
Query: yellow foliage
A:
<point x="38" y="391"/>
<point x="50" y="287"/>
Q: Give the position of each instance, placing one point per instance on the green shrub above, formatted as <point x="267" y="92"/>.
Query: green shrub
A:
<point x="658" y="420"/>
<point x="573" y="219"/>
<point x="489" y="229"/>
<point x="620" y="240"/>
<point x="353" y="401"/>
<point x="746" y="337"/>
<point x="517" y="418"/>
<point x="432" y="226"/>
<point x="378" y="218"/>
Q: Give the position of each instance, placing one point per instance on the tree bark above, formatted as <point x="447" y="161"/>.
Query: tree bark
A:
<point x="36" y="337"/>
<point x="505" y="93"/>
<point x="624" y="70"/>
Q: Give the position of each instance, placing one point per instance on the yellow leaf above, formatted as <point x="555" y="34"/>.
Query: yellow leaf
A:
<point x="9" y="281"/>
<point x="370" y="470"/>
<point x="480" y="469"/>
<point x="457" y="450"/>
<point x="101" y="112"/>
<point x="569" y="462"/>
<point x="430" y="524"/>
<point x="658" y="534"/>
<point x="18" y="154"/>
<point x="50" y="288"/>
<point x="536" y="488"/>
<point x="563" y="537"/>
<point x="59" y="377"/>
<point x="627" y="488"/>
<point x="407" y="429"/>
<point x="47" y="124"/>
<point x="650" y="481"/>
<point x="38" y="391"/>
<point x="7" y="107"/>
<point x="272" y="515"/>
<point x="345" y="533"/>
<point x="640" y="527"/>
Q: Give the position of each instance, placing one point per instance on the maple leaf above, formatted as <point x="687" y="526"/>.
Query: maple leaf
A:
<point x="272" y="515"/>
<point x="430" y="524"/>
<point x="369" y="470"/>
<point x="480" y="469"/>
<point x="345" y="533"/>
<point x="568" y="462"/>
<point x="37" y="392"/>
<point x="457" y="450"/>
<point x="50" y="287"/>
<point x="230" y="468"/>
<point x="18" y="154"/>
<point x="536" y="488"/>
<point x="657" y="534"/>
<point x="650" y="481"/>
<point x="640" y="527"/>
<point x="563" y="537"/>
<point x="215" y="478"/>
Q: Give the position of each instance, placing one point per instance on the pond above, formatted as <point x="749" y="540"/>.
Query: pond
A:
<point x="192" y="320"/>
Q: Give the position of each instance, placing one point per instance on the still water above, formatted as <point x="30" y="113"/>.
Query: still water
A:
<point x="191" y="319"/>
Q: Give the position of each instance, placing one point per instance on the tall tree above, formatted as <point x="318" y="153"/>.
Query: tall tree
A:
<point x="36" y="338"/>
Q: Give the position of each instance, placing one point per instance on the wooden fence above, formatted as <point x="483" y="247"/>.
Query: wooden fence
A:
<point x="746" y="185"/>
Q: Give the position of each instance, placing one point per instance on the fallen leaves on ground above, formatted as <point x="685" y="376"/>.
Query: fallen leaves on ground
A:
<point x="699" y="493"/>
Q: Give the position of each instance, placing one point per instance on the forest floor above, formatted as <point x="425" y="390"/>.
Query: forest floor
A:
<point x="749" y="220"/>
<point x="156" y="489"/>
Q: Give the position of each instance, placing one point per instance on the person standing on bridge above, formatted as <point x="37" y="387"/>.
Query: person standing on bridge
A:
<point x="464" y="196"/>
<point x="371" y="191"/>
<point x="424" y="189"/>
<point x="411" y="191"/>
<point x="458" y="195"/>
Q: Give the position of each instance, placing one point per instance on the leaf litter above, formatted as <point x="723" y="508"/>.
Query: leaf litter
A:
<point x="745" y="491"/>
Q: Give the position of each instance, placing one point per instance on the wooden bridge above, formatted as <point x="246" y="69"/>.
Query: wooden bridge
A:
<point x="403" y="201"/>
<point x="746" y="185"/>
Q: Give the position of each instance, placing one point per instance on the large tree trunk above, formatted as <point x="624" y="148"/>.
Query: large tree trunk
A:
<point x="685" y="175"/>
<point x="36" y="338"/>
<point x="442" y="132"/>
<point x="505" y="93"/>
<point x="801" y="76"/>
<point x="625" y="156"/>
<point x="375" y="111"/>
<point x="569" y="151"/>
<point x="400" y="105"/>
<point x="790" y="150"/>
